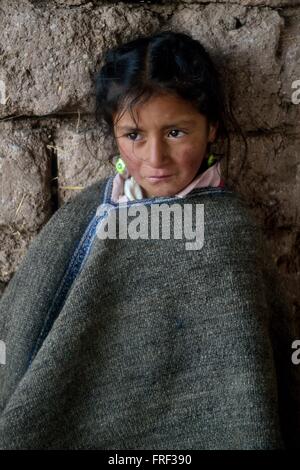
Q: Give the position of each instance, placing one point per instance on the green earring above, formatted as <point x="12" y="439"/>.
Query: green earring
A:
<point x="211" y="160"/>
<point x="120" y="166"/>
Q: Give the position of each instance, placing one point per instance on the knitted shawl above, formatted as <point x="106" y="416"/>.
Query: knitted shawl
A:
<point x="123" y="343"/>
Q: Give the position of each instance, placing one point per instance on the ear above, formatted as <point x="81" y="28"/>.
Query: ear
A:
<point x="213" y="128"/>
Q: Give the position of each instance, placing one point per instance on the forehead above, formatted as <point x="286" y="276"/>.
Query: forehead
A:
<point x="160" y="110"/>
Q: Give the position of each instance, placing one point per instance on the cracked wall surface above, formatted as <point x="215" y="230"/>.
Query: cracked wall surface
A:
<point x="51" y="146"/>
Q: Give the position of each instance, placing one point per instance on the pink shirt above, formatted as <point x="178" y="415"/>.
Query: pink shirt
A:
<point x="128" y="189"/>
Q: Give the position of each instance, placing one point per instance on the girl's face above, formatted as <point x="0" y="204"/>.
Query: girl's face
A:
<point x="166" y="150"/>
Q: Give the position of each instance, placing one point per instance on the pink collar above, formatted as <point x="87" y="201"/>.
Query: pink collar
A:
<point x="210" y="177"/>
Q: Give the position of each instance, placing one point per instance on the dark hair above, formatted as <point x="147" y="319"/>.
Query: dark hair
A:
<point x="167" y="61"/>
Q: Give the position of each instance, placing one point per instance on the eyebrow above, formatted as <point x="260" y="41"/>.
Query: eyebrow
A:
<point x="175" y="124"/>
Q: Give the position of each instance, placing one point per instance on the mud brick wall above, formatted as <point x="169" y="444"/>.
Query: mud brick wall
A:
<point x="51" y="146"/>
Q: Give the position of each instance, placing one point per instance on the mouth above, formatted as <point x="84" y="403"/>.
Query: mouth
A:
<point x="153" y="179"/>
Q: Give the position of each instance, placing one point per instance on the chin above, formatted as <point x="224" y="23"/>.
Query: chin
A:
<point x="160" y="190"/>
<point x="162" y="193"/>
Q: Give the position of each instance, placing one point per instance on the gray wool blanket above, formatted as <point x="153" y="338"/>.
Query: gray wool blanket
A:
<point x="123" y="343"/>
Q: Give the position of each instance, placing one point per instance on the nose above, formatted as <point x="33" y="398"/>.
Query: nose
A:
<point x="157" y="153"/>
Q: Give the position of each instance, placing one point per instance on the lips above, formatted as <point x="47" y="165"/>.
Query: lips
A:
<point x="158" y="175"/>
<point x="158" y="178"/>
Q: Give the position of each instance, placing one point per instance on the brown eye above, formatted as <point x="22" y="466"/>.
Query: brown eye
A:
<point x="176" y="130"/>
<point x="131" y="133"/>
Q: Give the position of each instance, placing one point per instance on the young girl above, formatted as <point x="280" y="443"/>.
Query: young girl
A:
<point x="137" y="342"/>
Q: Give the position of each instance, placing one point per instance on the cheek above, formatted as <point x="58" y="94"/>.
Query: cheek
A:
<point x="128" y="156"/>
<point x="191" y="159"/>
